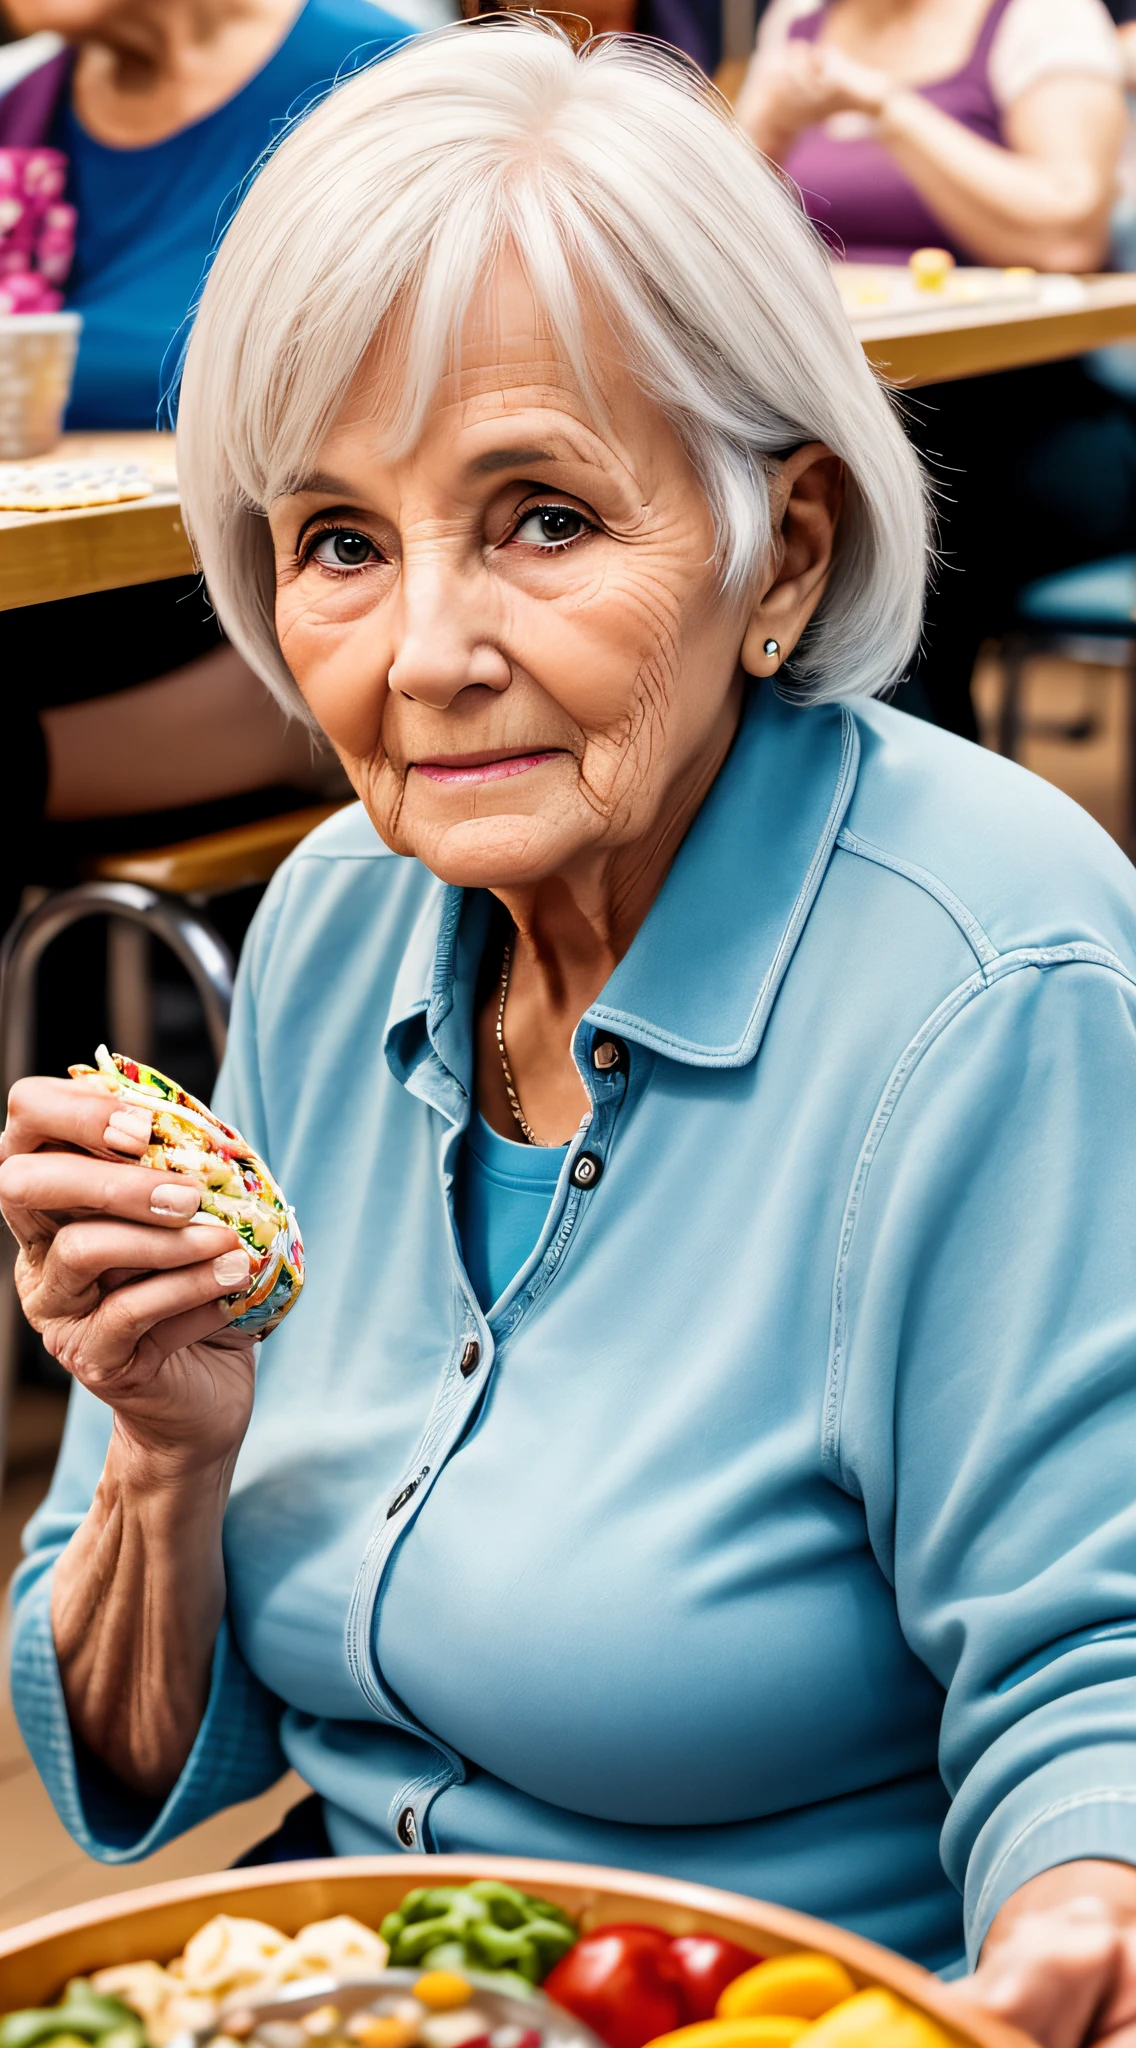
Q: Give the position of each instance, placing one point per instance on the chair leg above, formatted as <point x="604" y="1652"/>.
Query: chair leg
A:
<point x="202" y="952"/>
<point x="130" y="999"/>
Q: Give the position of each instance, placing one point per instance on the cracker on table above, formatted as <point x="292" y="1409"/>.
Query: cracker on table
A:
<point x="69" y="486"/>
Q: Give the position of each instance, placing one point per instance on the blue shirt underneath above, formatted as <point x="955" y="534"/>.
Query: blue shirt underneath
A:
<point x="148" y="218"/>
<point x="504" y="1194"/>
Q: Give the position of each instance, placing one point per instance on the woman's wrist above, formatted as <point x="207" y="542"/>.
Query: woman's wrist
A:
<point x="179" y="1471"/>
<point x="893" y="117"/>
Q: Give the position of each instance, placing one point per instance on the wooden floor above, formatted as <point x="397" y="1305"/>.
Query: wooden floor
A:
<point x="40" y="1867"/>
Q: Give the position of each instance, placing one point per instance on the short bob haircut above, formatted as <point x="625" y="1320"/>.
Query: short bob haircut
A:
<point x="622" y="182"/>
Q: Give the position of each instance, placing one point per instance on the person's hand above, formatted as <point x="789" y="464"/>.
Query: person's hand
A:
<point x="801" y="85"/>
<point x="125" y="1292"/>
<point x="1060" y="1959"/>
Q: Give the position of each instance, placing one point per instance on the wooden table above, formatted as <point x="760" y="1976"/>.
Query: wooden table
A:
<point x="969" y="341"/>
<point x="46" y="555"/>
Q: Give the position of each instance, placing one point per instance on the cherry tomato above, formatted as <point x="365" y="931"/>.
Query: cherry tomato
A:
<point x="706" y="1963"/>
<point x="622" y="1982"/>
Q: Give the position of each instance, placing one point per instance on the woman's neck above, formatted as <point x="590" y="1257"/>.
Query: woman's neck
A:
<point x="571" y="932"/>
<point x="917" y="42"/>
<point x="155" y="66"/>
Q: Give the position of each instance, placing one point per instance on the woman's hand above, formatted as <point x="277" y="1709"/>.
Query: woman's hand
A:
<point x="126" y="1292"/>
<point x="131" y="1297"/>
<point x="800" y="85"/>
<point x="1060" y="1958"/>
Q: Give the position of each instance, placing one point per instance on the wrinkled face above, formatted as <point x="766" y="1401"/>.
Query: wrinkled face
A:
<point x="514" y="636"/>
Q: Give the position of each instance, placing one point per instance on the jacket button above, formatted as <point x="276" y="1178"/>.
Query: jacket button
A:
<point x="587" y="1170"/>
<point x="607" y="1054"/>
<point x="406" y="1828"/>
<point x="400" y="1501"/>
<point x="470" y="1358"/>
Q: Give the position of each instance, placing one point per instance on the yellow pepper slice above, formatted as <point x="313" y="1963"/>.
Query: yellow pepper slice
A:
<point x="443" y="1990"/>
<point x="804" y="1985"/>
<point x="382" y="2030"/>
<point x="763" y="2030"/>
<point x="874" y="2019"/>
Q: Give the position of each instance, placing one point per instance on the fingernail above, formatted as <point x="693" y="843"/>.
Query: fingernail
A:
<point x="127" y="1129"/>
<point x="231" y="1269"/>
<point x="176" y="1198"/>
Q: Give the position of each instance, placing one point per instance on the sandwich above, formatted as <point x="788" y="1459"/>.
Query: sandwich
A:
<point x="236" y="1185"/>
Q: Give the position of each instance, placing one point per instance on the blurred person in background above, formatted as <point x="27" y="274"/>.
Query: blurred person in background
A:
<point x="994" y="131"/>
<point x="129" y="702"/>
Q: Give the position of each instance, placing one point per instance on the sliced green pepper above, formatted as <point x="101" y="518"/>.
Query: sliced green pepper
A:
<point x="487" y="1925"/>
<point x="449" y="1955"/>
<point x="508" y="1906"/>
<point x="82" y="2014"/>
<point x="551" y="1940"/>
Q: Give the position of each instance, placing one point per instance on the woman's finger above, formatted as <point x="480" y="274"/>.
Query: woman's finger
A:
<point x="43" y="1111"/>
<point x="101" y="1347"/>
<point x="76" y="1266"/>
<point x="37" y="1187"/>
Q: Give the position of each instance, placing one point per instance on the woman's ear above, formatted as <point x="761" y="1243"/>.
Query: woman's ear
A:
<point x="806" y="492"/>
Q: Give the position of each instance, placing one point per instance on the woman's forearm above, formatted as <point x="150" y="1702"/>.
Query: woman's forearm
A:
<point x="137" y="1600"/>
<point x="1002" y="205"/>
<point x="204" y="731"/>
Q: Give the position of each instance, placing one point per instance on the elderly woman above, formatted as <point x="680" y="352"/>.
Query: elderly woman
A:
<point x="709" y="1098"/>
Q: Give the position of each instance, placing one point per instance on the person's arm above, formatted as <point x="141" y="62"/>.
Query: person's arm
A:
<point x="1045" y="199"/>
<point x="206" y="730"/>
<point x="983" y="1395"/>
<point x="787" y="88"/>
<point x="139" y="1524"/>
<point x="131" y="1298"/>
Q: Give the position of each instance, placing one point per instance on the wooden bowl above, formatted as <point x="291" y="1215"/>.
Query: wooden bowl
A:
<point x="37" y="1959"/>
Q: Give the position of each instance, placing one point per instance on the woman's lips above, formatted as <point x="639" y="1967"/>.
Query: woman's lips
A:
<point x="464" y="769"/>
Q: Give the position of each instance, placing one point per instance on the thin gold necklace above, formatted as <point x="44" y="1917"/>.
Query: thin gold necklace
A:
<point x="506" y="1069"/>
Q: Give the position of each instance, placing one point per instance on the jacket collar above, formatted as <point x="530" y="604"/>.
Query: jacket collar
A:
<point x="703" y="971"/>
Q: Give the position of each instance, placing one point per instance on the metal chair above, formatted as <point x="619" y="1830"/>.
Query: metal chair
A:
<point x="1089" y="615"/>
<point x="159" y="893"/>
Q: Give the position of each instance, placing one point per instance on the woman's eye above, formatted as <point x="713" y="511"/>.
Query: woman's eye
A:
<point x="343" y="549"/>
<point x="551" y="526"/>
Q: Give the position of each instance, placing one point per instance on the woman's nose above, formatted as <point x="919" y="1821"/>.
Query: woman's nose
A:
<point x="444" y="641"/>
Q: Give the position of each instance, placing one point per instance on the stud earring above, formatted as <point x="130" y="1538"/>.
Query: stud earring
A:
<point x="772" y="648"/>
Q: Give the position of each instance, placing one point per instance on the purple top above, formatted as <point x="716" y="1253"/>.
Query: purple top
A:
<point x="855" y="190"/>
<point x="28" y="108"/>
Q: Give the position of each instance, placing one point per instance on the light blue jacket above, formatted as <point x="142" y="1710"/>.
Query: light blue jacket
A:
<point x="779" y="1531"/>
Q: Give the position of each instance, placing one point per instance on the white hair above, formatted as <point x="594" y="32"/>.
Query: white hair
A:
<point x="623" y="184"/>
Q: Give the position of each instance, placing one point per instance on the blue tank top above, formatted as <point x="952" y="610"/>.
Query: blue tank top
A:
<point x="148" y="218"/>
<point x="504" y="1194"/>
